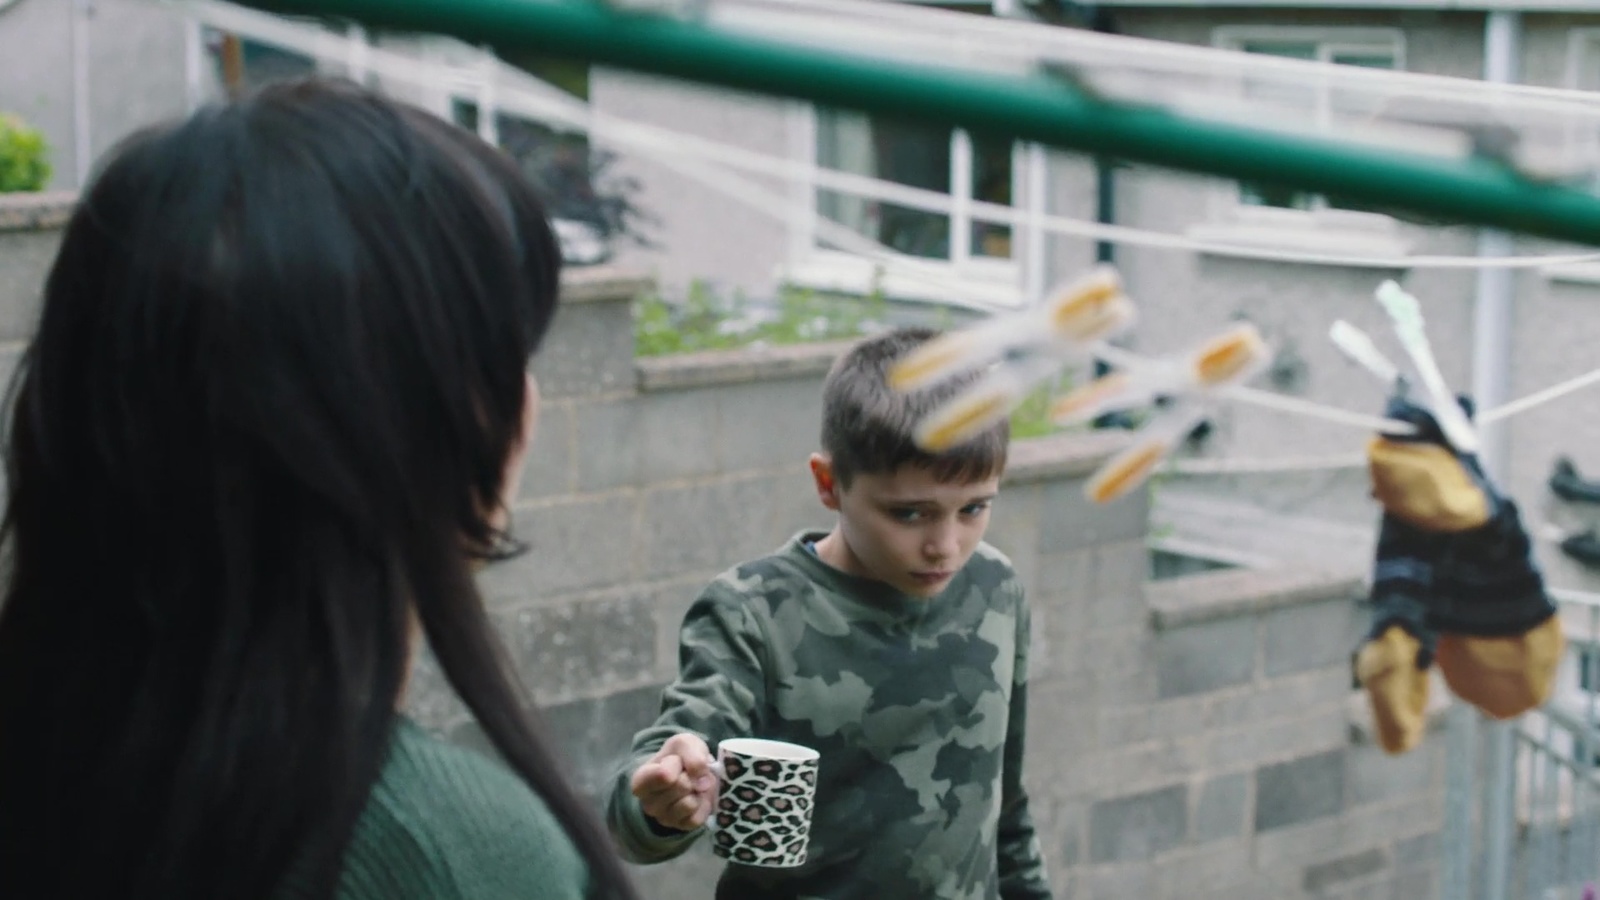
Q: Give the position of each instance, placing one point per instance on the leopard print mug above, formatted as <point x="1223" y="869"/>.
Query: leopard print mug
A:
<point x="763" y="815"/>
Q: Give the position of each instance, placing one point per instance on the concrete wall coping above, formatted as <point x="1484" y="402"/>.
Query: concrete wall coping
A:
<point x="1069" y="455"/>
<point x="1231" y="593"/>
<point x="590" y="284"/>
<point x="43" y="211"/>
<point x="717" y="367"/>
<point x="36" y="211"/>
<point x="1073" y="454"/>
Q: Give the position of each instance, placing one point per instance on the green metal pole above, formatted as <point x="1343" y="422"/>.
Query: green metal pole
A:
<point x="1032" y="108"/>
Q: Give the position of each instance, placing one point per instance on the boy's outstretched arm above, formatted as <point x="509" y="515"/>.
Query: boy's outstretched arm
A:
<point x="720" y="693"/>
<point x="1021" y="862"/>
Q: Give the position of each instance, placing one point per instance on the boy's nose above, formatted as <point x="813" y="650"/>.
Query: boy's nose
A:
<point x="941" y="544"/>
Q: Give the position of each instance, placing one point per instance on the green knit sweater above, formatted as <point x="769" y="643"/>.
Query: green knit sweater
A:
<point x="444" y="823"/>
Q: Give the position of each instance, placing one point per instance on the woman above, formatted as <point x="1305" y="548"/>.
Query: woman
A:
<point x="267" y="428"/>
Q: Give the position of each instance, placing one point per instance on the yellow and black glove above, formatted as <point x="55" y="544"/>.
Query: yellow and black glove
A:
<point x="1454" y="582"/>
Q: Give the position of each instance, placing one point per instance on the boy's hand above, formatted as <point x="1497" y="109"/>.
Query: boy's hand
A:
<point x="677" y="787"/>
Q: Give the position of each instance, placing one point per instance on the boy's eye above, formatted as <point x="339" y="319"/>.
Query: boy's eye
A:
<point x="974" y="509"/>
<point x="905" y="514"/>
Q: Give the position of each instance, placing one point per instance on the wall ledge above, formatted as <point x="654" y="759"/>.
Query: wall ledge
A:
<point x="714" y="367"/>
<point x="36" y="211"/>
<point x="47" y="210"/>
<point x="1073" y="454"/>
<point x="591" y="284"/>
<point x="1231" y="593"/>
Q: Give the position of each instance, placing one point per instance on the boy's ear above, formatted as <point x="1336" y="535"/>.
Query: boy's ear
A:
<point x="822" y="475"/>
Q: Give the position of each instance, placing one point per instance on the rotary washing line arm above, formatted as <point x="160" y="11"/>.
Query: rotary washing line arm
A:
<point x="1040" y="107"/>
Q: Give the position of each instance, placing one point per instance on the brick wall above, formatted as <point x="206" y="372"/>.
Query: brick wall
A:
<point x="1188" y="738"/>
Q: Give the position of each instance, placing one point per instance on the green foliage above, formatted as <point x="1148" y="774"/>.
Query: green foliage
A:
<point x="705" y="321"/>
<point x="24" y="156"/>
<point x="1032" y="418"/>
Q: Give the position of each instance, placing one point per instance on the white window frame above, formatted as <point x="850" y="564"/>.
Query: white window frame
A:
<point x="1323" y="228"/>
<point x="962" y="279"/>
<point x="1583" y="45"/>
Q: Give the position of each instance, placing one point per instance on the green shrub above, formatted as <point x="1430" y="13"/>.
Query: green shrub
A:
<point x="24" y="156"/>
<point x="704" y="321"/>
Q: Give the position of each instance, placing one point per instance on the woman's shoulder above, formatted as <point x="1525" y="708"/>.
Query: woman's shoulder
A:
<point x="444" y="821"/>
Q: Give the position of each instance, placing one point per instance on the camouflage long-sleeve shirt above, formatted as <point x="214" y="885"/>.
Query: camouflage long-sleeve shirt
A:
<point x="918" y="708"/>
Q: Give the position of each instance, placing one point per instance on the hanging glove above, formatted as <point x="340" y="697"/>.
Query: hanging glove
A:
<point x="1392" y="664"/>
<point x="1499" y="641"/>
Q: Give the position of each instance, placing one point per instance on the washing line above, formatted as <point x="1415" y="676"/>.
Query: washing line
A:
<point x="1012" y="38"/>
<point x="530" y="97"/>
<point x="1040" y="106"/>
<point x="547" y="103"/>
<point x="1244" y="465"/>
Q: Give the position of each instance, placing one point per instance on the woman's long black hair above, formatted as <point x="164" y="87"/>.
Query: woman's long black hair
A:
<point x="277" y="377"/>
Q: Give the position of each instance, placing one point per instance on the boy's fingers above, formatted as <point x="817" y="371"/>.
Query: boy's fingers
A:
<point x="687" y="812"/>
<point x="657" y="777"/>
<point x="693" y="752"/>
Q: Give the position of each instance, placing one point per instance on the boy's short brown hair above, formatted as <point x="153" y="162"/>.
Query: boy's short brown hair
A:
<point x="867" y="425"/>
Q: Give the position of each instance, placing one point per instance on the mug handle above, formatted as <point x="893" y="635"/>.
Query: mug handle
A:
<point x="717" y="769"/>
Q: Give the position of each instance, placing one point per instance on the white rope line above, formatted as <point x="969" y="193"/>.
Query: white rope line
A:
<point x="1346" y="461"/>
<point x="528" y="96"/>
<point x="1007" y="37"/>
<point x="1576" y="598"/>
<point x="1315" y="410"/>
<point x="1267" y="464"/>
<point x="550" y="104"/>
<point x="659" y="142"/>
<point x="1540" y="398"/>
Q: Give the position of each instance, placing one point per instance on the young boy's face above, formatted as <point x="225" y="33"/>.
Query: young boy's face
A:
<point x="907" y="528"/>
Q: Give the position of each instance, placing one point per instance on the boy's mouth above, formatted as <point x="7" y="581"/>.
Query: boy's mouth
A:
<point x="929" y="579"/>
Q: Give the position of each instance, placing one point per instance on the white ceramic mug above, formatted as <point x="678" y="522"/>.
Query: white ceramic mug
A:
<point x="765" y="801"/>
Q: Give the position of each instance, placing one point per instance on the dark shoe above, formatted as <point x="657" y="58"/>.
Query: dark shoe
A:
<point x="1583" y="547"/>
<point x="1567" y="484"/>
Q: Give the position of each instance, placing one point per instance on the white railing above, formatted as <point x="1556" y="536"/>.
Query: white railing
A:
<point x="1557" y="771"/>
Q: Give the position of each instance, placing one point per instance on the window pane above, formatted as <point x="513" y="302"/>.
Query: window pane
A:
<point x="1271" y="88"/>
<point x="905" y="153"/>
<point x="1291" y="49"/>
<point x="1258" y="194"/>
<point x="569" y="75"/>
<point x="464" y="113"/>
<point x="1350" y="103"/>
<point x="1369" y="59"/>
<point x="560" y="167"/>
<point x="991" y="183"/>
<point x="243" y="65"/>
<point x="1327" y="104"/>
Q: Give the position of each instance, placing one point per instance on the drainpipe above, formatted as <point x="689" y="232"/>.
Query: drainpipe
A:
<point x="1491" y="382"/>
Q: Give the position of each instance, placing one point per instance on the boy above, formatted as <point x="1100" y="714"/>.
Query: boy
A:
<point x="895" y="644"/>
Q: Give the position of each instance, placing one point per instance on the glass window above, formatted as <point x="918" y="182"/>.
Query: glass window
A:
<point x="920" y="156"/>
<point x="1375" y="55"/>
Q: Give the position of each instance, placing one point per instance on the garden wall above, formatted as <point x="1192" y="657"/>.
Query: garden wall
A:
<point x="1189" y="738"/>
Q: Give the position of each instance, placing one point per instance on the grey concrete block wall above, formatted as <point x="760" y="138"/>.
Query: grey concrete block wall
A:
<point x="699" y="232"/>
<point x="1183" y="294"/>
<point x="1187" y="738"/>
<point x="1232" y="773"/>
<point x="135" y="73"/>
